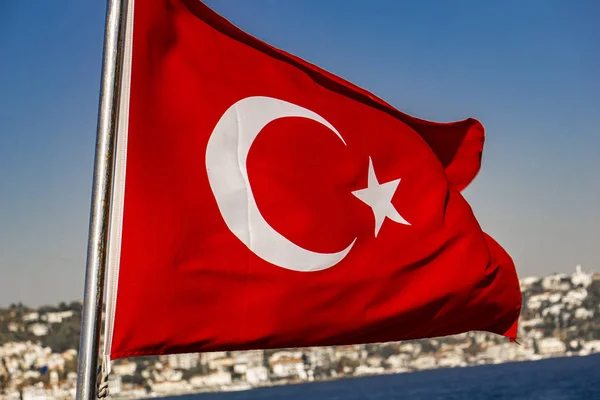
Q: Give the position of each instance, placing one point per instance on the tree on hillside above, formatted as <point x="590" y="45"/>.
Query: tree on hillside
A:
<point x="64" y="336"/>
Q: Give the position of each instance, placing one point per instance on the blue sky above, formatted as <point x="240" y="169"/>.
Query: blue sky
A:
<point x="527" y="70"/>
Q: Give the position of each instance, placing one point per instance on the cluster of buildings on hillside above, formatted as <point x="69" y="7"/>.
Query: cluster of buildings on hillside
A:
<point x="560" y="317"/>
<point x="38" y="324"/>
<point x="30" y="371"/>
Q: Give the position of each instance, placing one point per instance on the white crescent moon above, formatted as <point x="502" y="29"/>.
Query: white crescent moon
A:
<point x="226" y="155"/>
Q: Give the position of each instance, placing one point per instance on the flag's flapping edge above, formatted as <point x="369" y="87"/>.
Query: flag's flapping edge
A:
<point x="458" y="145"/>
<point x="118" y="194"/>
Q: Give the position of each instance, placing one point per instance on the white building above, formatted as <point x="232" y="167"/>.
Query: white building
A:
<point x="398" y="361"/>
<point x="288" y="364"/>
<point x="57" y="317"/>
<point x="583" y="313"/>
<point x="536" y="301"/>
<point x="368" y="370"/>
<point x="256" y="375"/>
<point x="36" y="393"/>
<point x="531" y="322"/>
<point x="30" y="374"/>
<point x="593" y="346"/>
<point x="528" y="282"/>
<point x="32" y="316"/>
<point x="182" y="361"/>
<point x="351" y="352"/>
<point x="555" y="297"/>
<point x="114" y="384"/>
<point x="411" y="348"/>
<point x="70" y="354"/>
<point x="551" y="346"/>
<point x="250" y="358"/>
<point x="424" y="362"/>
<point x="223" y="363"/>
<point x="536" y="334"/>
<point x="556" y="282"/>
<point x="374" y="361"/>
<point x="575" y="297"/>
<point x="205" y="358"/>
<point x="319" y="356"/>
<point x="38" y="329"/>
<point x="220" y="378"/>
<point x="451" y="360"/>
<point x="553" y="310"/>
<point x="580" y="278"/>
<point x="124" y="368"/>
<point x="170" y="388"/>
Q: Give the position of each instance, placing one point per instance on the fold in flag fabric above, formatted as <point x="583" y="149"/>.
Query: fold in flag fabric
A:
<point x="262" y="202"/>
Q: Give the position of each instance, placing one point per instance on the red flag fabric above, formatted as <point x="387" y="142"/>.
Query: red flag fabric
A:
<point x="266" y="203"/>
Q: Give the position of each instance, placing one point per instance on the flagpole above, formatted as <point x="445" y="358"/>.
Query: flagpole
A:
<point x="101" y="196"/>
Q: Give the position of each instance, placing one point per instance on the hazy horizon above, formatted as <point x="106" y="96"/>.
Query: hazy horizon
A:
<point x="527" y="71"/>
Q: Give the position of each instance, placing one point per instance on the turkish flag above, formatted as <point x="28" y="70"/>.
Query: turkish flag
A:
<point x="262" y="202"/>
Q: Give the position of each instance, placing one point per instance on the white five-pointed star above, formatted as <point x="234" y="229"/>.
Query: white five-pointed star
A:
<point x="379" y="197"/>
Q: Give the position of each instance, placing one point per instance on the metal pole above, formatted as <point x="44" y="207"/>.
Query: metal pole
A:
<point x="101" y="195"/>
